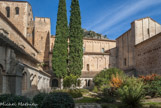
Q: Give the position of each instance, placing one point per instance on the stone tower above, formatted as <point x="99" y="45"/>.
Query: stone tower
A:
<point x="20" y="14"/>
<point x="42" y="40"/>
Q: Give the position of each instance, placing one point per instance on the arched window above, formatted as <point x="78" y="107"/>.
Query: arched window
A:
<point x="8" y="11"/>
<point x="17" y="10"/>
<point x="54" y="83"/>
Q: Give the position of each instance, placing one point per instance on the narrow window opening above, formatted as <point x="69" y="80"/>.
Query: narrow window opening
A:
<point x="125" y="62"/>
<point x="103" y="50"/>
<point x="17" y="10"/>
<point x="148" y="31"/>
<point x="84" y="49"/>
<point x="89" y="83"/>
<point x="87" y="67"/>
<point x="8" y="11"/>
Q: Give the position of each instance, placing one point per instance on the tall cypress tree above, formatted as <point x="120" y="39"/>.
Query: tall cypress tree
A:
<point x="76" y="40"/>
<point x="60" y="51"/>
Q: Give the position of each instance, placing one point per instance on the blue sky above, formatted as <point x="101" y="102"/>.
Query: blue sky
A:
<point x="108" y="17"/>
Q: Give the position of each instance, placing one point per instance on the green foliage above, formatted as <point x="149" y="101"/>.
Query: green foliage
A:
<point x="75" y="93"/>
<point x="153" y="88"/>
<point x="76" y="40"/>
<point x="92" y="34"/>
<point x="84" y="91"/>
<point x="4" y="97"/>
<point x="9" y="98"/>
<point x="104" y="77"/>
<point x="110" y="91"/>
<point x="70" y="81"/>
<point x="58" y="100"/>
<point x="60" y="51"/>
<point x="39" y="98"/>
<point x="108" y="95"/>
<point x="95" y="89"/>
<point x="131" y="92"/>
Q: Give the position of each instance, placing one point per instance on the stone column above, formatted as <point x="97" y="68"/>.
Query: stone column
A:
<point x="14" y="80"/>
<point x="61" y="83"/>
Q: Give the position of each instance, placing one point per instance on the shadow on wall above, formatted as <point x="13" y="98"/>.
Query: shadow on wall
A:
<point x="112" y="58"/>
<point x="46" y="52"/>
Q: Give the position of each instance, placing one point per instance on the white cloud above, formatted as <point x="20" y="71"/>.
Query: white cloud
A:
<point x="124" y="12"/>
<point x="104" y="15"/>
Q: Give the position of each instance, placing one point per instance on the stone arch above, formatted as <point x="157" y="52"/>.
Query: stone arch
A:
<point x="1" y="78"/>
<point x="25" y="80"/>
<point x="89" y="83"/>
<point x="55" y="83"/>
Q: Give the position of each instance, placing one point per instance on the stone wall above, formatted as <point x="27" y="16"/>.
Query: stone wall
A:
<point x="140" y="31"/>
<point x="52" y="40"/>
<point x="15" y="35"/>
<point x="19" y="72"/>
<point x="148" y="56"/>
<point x="95" y="57"/>
<point x="145" y="28"/>
<point x="98" y="45"/>
<point x="20" y="20"/>
<point x="30" y="25"/>
<point x="95" y="62"/>
<point x="42" y="38"/>
<point x="125" y="50"/>
<point x="98" y="55"/>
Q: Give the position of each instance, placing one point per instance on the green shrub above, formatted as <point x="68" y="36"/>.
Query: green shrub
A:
<point x="153" y="88"/>
<point x="108" y="95"/>
<point x="131" y="92"/>
<point x="70" y="81"/>
<point x="62" y="90"/>
<point x="19" y="99"/>
<point x="95" y="89"/>
<point x="104" y="77"/>
<point x="75" y="93"/>
<point x="38" y="99"/>
<point x="84" y="91"/>
<point x="58" y="100"/>
<point x="4" y="97"/>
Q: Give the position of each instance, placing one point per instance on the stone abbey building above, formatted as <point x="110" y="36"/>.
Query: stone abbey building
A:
<point x="26" y="47"/>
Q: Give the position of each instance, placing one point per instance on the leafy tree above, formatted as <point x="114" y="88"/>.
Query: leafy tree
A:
<point x="60" y="51"/>
<point x="76" y="40"/>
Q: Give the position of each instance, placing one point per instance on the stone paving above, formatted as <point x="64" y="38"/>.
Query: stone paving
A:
<point x="88" y="105"/>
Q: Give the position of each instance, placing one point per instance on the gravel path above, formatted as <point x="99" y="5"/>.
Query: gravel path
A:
<point x="88" y="105"/>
